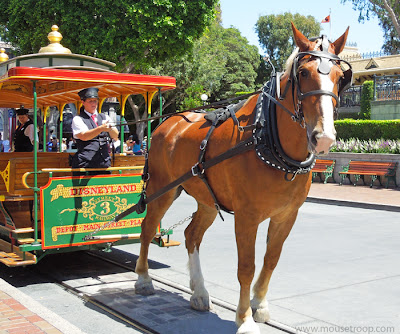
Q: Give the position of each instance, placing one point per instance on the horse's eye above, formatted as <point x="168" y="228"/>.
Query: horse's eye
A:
<point x="304" y="73"/>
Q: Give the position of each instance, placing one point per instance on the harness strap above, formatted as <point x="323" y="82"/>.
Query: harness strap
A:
<point x="242" y="147"/>
<point x="202" y="175"/>
<point x="236" y="121"/>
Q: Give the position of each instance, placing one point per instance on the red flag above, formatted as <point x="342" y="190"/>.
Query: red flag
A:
<point x="326" y="19"/>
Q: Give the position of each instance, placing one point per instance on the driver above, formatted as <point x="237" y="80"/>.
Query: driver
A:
<point x="91" y="130"/>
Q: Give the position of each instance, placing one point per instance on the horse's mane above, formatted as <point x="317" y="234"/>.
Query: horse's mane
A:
<point x="289" y="61"/>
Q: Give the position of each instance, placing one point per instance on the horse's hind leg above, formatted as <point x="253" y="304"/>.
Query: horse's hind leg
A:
<point x="155" y="212"/>
<point x="278" y="230"/>
<point x="201" y="221"/>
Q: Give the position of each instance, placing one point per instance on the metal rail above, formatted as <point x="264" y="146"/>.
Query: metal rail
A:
<point x="272" y="323"/>
<point x="67" y="170"/>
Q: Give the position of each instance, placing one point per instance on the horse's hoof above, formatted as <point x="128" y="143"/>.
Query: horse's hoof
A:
<point x="261" y="315"/>
<point x="201" y="303"/>
<point x="260" y="310"/>
<point x="144" y="287"/>
<point x="248" y="327"/>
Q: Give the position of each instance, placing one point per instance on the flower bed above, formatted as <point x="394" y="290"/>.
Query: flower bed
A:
<point x="355" y="145"/>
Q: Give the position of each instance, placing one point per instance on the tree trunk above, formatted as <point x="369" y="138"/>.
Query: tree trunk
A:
<point x="392" y="15"/>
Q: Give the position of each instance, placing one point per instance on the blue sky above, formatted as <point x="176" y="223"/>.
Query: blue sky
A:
<point x="243" y="15"/>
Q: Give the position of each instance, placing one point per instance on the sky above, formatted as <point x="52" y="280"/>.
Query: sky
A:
<point x="243" y="15"/>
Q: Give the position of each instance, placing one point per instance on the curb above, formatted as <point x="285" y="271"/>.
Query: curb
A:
<point x="362" y="205"/>
<point x="52" y="318"/>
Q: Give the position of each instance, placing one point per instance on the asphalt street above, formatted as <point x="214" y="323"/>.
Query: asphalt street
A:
<point x="338" y="270"/>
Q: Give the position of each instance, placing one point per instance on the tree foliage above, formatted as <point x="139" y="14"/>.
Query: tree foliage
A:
<point x="222" y="63"/>
<point x="275" y="34"/>
<point x="133" y="33"/>
<point x="388" y="12"/>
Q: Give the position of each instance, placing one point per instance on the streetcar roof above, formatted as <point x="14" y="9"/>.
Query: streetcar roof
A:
<point x="55" y="87"/>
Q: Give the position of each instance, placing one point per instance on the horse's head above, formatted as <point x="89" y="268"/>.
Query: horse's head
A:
<point x="319" y="76"/>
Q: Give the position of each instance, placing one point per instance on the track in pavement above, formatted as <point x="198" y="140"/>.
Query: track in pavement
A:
<point x="110" y="286"/>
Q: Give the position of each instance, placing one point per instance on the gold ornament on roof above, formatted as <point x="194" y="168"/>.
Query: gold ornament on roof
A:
<point x="54" y="47"/>
<point x="3" y="55"/>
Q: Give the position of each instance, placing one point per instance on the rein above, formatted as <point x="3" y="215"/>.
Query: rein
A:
<point x="265" y="137"/>
<point x="214" y="105"/>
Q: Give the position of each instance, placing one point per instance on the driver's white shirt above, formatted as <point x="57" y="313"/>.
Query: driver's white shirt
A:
<point x="79" y="126"/>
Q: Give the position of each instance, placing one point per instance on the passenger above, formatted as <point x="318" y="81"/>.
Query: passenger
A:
<point x="91" y="131"/>
<point x="24" y="135"/>
<point x="52" y="145"/>
<point x="64" y="145"/>
<point x="137" y="149"/>
<point x="128" y="146"/>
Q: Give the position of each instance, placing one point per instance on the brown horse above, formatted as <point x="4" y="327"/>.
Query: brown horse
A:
<point x="245" y="184"/>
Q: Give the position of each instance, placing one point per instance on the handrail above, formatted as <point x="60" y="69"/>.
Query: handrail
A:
<point x="82" y="170"/>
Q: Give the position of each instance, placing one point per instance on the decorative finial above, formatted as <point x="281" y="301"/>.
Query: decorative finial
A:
<point x="3" y="55"/>
<point x="54" y="47"/>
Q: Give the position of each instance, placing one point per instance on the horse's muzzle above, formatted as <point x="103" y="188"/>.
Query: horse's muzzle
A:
<point x="320" y="143"/>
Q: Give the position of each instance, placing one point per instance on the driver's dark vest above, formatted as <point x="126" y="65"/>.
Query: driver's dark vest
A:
<point x="88" y="148"/>
<point x="22" y="143"/>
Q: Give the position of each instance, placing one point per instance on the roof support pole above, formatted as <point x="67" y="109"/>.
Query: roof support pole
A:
<point x="45" y="109"/>
<point x="148" y="97"/>
<point x="35" y="151"/>
<point x="61" y="127"/>
<point x="122" y="101"/>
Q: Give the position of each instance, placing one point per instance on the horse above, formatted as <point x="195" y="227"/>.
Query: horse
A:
<point x="258" y="183"/>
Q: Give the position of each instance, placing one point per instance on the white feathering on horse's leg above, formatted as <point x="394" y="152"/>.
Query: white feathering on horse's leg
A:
<point x="248" y="327"/>
<point x="260" y="310"/>
<point x="200" y="299"/>
<point x="144" y="285"/>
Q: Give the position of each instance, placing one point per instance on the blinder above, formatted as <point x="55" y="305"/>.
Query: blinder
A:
<point x="324" y="67"/>
<point x="347" y="80"/>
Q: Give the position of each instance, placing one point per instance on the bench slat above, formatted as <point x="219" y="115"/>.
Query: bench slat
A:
<point x="375" y="169"/>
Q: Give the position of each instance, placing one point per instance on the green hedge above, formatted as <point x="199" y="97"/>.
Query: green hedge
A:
<point x="367" y="95"/>
<point x="367" y="129"/>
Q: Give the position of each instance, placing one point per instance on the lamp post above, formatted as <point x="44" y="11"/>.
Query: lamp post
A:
<point x="204" y="98"/>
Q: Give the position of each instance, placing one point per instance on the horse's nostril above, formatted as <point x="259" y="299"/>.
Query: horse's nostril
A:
<point x="314" y="138"/>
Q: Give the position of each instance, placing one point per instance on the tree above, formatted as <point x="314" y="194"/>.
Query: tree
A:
<point x="133" y="33"/>
<point x="227" y="63"/>
<point x="388" y="12"/>
<point x="275" y="34"/>
<point x="222" y="63"/>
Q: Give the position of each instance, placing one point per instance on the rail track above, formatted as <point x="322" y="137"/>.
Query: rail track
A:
<point x="107" y="282"/>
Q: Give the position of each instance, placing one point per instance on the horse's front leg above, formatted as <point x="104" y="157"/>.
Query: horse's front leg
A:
<point x="201" y="221"/>
<point x="278" y="230"/>
<point x="245" y="240"/>
<point x="155" y="212"/>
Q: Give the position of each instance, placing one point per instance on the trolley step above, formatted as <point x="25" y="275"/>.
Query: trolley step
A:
<point x="12" y="256"/>
<point x="24" y="241"/>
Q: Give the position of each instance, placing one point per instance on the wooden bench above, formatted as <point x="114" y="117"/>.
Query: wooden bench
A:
<point x="324" y="167"/>
<point x="375" y="169"/>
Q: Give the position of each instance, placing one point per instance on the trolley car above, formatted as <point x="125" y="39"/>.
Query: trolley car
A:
<point x="43" y="208"/>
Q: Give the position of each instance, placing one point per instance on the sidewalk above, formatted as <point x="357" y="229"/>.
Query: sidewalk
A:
<point x="21" y="314"/>
<point x="378" y="198"/>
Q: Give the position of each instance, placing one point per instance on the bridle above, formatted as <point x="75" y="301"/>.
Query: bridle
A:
<point x="324" y="68"/>
<point x="268" y="147"/>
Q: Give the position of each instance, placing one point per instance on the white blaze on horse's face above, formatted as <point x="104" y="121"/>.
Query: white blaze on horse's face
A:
<point x="323" y="134"/>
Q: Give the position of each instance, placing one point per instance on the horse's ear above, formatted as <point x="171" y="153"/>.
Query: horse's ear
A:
<point x="341" y="42"/>
<point x="301" y="41"/>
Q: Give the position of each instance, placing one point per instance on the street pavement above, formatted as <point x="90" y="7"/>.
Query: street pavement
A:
<point x="354" y="285"/>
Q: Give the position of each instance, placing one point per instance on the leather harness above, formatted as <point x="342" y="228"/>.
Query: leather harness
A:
<point x="265" y="138"/>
